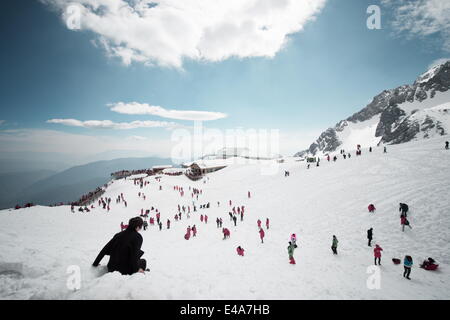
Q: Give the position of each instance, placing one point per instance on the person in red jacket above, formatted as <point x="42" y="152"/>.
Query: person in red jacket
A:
<point x="240" y="251"/>
<point x="371" y="208"/>
<point x="259" y="223"/>
<point x="404" y="222"/>
<point x="206" y="218"/>
<point x="377" y="254"/>
<point x="261" y="234"/>
<point x="267" y="223"/>
<point x="201" y="218"/>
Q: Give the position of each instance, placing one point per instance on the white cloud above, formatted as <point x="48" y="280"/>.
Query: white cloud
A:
<point x="165" y="32"/>
<point x="79" y="145"/>
<point x="143" y="108"/>
<point x="108" y="124"/>
<point x="421" y="18"/>
<point x="139" y="138"/>
<point x="438" y="62"/>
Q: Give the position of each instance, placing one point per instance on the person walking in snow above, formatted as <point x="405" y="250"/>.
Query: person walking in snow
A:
<point x="248" y="194"/>
<point x="217" y="222"/>
<point x="291" y="247"/>
<point x="259" y="223"/>
<point x="168" y="224"/>
<point x="194" y="230"/>
<point x="201" y="218"/>
<point x="220" y="222"/>
<point x="446" y="145"/>
<point x="369" y="236"/>
<point x="231" y="216"/>
<point x="242" y="215"/>
<point x="206" y="218"/>
<point x="261" y="234"/>
<point x="403" y="208"/>
<point x="240" y="251"/>
<point x="371" y="208"/>
<point x="377" y="254"/>
<point x="294" y="240"/>
<point x="234" y="220"/>
<point x="407" y="264"/>
<point x="404" y="222"/>
<point x="370" y="149"/>
<point x="267" y="223"/>
<point x="334" y="245"/>
<point x="160" y="226"/>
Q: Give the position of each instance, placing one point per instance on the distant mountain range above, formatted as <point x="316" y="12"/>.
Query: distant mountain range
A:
<point x="409" y="112"/>
<point x="47" y="187"/>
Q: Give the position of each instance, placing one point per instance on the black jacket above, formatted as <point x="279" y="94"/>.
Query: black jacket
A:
<point x="369" y="234"/>
<point x="124" y="251"/>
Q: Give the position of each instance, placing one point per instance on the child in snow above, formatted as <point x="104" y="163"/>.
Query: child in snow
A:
<point x="377" y="254"/>
<point x="334" y="245"/>
<point x="407" y="264"/>
<point x="404" y="222"/>
<point x="294" y="240"/>
<point x="291" y="249"/>
<point x="261" y="234"/>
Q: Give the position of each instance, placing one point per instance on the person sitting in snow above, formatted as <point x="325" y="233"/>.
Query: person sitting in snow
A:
<point x="371" y="208"/>
<point x="240" y="251"/>
<point x="124" y="250"/>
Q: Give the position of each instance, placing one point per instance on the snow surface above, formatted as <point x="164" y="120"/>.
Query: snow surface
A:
<point x="362" y="133"/>
<point x="42" y="242"/>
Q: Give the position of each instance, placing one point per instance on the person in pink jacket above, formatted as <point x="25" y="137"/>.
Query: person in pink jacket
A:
<point x="201" y="218"/>
<point x="261" y="234"/>
<point x="206" y="218"/>
<point x="377" y="254"/>
<point x="240" y="251"/>
<point x="259" y="223"/>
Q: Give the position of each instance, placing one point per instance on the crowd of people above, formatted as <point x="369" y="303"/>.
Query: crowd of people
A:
<point x="236" y="214"/>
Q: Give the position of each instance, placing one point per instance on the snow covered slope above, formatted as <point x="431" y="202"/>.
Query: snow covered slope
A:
<point x="37" y="245"/>
<point x="394" y="116"/>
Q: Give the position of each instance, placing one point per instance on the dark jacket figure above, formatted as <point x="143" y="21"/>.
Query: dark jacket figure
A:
<point x="403" y="209"/>
<point x="124" y="250"/>
<point x="446" y="145"/>
<point x="334" y="245"/>
<point x="369" y="235"/>
<point x="234" y="220"/>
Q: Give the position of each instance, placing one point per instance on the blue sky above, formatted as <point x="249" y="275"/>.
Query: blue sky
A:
<point x="324" y="73"/>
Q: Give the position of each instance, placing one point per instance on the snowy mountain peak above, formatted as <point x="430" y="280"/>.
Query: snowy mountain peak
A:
<point x="394" y="116"/>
